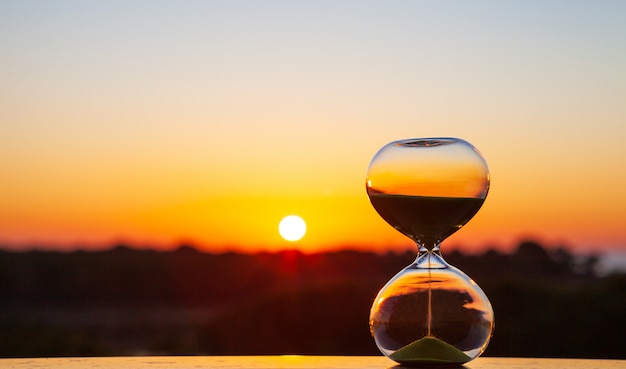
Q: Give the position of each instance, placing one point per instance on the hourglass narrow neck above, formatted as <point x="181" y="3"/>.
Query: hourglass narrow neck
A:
<point x="429" y="257"/>
<point x="423" y="247"/>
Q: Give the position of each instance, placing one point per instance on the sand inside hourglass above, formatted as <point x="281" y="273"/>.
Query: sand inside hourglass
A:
<point x="429" y="350"/>
<point x="431" y="314"/>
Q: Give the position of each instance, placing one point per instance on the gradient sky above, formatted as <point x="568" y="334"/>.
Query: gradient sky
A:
<point x="156" y="122"/>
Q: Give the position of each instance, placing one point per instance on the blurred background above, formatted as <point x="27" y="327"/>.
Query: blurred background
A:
<point x="149" y="150"/>
<point x="139" y="302"/>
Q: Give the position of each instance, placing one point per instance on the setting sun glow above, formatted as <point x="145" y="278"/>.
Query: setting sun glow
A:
<point x="292" y="228"/>
<point x="206" y="123"/>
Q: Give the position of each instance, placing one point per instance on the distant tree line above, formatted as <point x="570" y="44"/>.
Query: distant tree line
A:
<point x="124" y="301"/>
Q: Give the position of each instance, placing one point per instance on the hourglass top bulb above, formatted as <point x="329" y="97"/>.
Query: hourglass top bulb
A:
<point x="427" y="188"/>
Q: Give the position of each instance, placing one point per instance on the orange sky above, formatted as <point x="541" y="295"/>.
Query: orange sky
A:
<point x="156" y="124"/>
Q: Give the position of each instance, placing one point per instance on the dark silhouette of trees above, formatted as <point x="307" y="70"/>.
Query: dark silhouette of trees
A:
<point x="547" y="302"/>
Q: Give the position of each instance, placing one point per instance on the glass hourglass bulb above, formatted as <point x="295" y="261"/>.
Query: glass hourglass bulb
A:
<point x="430" y="313"/>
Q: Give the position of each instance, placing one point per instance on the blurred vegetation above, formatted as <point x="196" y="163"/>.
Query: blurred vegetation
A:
<point x="547" y="303"/>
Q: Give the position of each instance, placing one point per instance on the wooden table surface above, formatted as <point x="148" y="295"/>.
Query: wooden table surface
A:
<point x="289" y="361"/>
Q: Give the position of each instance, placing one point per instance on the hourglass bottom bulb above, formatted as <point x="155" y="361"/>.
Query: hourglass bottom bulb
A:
<point x="430" y="317"/>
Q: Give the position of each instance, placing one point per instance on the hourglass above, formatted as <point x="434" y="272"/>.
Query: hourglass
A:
<point x="430" y="313"/>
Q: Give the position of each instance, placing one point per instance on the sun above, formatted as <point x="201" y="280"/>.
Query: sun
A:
<point x="292" y="228"/>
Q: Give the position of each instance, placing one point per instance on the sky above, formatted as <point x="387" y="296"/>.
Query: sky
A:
<point x="157" y="123"/>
